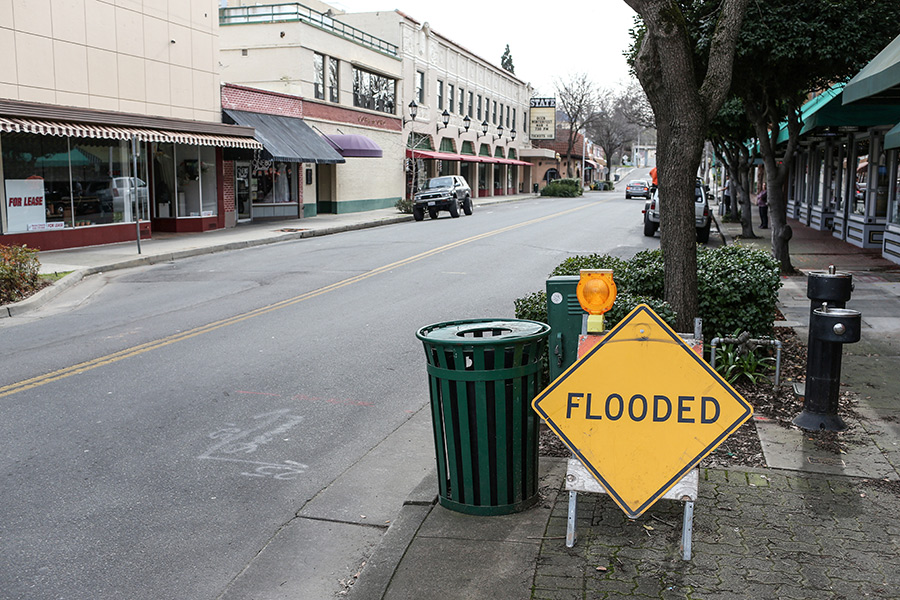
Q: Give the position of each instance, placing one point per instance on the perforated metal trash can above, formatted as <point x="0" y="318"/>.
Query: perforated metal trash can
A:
<point x="483" y="374"/>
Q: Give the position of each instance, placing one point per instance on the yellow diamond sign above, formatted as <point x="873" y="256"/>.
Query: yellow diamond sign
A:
<point x="641" y="409"/>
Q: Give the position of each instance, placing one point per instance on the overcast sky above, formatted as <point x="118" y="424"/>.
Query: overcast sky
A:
<point x="548" y="41"/>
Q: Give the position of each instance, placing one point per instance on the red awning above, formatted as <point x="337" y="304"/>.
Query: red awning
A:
<point x="433" y="154"/>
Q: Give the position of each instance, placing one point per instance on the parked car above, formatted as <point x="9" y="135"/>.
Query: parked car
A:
<point x="119" y="190"/>
<point x="702" y="219"/>
<point x="637" y="187"/>
<point x="450" y="193"/>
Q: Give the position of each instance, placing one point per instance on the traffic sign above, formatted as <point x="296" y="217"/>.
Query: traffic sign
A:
<point x="641" y="409"/>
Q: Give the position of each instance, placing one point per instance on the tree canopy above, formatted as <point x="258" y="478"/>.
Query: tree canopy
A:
<point x="787" y="49"/>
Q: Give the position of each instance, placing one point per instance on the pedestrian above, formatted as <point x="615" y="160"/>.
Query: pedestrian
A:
<point x="653" y="180"/>
<point x="762" y="201"/>
<point x="726" y="197"/>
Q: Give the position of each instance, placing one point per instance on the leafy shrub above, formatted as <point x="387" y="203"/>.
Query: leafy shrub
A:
<point x="574" y="264"/>
<point x="645" y="274"/>
<point x="404" y="205"/>
<point x="19" y="273"/>
<point x="532" y="307"/>
<point x="738" y="290"/>
<point x="563" y="188"/>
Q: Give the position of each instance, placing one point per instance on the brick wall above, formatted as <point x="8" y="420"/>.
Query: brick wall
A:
<point x="228" y="185"/>
<point x="237" y="97"/>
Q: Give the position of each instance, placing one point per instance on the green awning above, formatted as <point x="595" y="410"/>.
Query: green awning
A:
<point x="828" y="111"/>
<point x="892" y="138"/>
<point x="879" y="81"/>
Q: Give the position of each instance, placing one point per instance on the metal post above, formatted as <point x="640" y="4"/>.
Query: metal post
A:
<point x="687" y="529"/>
<point x="134" y="189"/>
<point x="570" y="521"/>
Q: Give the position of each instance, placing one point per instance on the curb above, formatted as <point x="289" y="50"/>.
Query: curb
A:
<point x="53" y="290"/>
<point x="385" y="559"/>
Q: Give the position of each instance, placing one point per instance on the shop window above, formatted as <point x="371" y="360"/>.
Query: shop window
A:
<point x="319" y="75"/>
<point x="60" y="182"/>
<point x="334" y="82"/>
<point x="373" y="92"/>
<point x="273" y="182"/>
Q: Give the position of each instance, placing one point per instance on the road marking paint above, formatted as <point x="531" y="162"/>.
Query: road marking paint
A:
<point x="133" y="351"/>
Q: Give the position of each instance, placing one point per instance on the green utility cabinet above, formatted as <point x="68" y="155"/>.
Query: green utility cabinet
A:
<point x="482" y="376"/>
<point x="565" y="317"/>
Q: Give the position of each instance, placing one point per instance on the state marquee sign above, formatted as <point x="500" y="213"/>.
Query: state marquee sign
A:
<point x="542" y="119"/>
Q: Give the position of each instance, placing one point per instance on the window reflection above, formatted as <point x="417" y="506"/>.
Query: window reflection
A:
<point x="85" y="181"/>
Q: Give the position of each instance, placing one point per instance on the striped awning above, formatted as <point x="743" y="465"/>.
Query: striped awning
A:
<point x="111" y="132"/>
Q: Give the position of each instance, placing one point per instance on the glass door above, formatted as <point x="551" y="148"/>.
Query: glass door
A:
<point x="242" y="190"/>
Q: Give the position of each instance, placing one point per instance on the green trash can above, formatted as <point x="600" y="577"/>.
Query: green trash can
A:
<point x="483" y="374"/>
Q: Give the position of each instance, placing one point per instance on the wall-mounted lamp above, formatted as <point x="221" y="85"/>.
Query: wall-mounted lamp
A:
<point x="413" y="111"/>
<point x="512" y="135"/>
<point x="466" y="123"/>
<point x="445" y="118"/>
<point x="484" y="129"/>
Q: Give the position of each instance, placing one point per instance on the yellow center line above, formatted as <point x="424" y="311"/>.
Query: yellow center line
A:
<point x="83" y="367"/>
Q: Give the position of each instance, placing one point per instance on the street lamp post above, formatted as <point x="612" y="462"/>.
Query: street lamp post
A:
<point x="413" y="111"/>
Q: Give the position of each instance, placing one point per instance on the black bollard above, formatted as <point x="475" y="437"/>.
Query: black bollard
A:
<point x="829" y="329"/>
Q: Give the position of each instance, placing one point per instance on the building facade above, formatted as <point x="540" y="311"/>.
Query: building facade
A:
<point x="470" y="115"/>
<point x="344" y="83"/>
<point x="110" y="121"/>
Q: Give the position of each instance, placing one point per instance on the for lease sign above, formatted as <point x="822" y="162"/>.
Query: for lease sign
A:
<point x="24" y="204"/>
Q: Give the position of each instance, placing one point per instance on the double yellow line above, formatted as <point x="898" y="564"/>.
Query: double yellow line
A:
<point x="108" y="359"/>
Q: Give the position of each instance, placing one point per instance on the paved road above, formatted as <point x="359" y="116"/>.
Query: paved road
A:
<point x="163" y="428"/>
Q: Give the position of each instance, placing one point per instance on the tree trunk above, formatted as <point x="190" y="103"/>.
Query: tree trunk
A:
<point x="776" y="175"/>
<point x="744" y="189"/>
<point x="677" y="164"/>
<point x="664" y="64"/>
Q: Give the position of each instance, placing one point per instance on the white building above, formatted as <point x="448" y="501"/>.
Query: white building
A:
<point x="343" y="84"/>
<point x="484" y="106"/>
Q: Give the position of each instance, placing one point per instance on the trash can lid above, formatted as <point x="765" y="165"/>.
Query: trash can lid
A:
<point x="483" y="331"/>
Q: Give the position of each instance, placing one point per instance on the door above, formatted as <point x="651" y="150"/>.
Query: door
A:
<point x="242" y="190"/>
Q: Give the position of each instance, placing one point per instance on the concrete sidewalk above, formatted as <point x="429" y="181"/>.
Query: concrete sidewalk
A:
<point x="811" y="524"/>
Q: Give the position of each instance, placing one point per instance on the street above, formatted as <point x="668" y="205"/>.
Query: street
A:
<point x="162" y="425"/>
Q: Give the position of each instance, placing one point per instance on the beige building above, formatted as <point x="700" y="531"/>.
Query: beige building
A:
<point x="346" y="80"/>
<point x="484" y="107"/>
<point x="83" y="80"/>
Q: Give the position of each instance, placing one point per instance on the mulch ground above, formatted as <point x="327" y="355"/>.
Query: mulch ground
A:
<point x="779" y="404"/>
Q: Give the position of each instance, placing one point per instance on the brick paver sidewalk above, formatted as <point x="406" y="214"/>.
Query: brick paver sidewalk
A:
<point x="763" y="534"/>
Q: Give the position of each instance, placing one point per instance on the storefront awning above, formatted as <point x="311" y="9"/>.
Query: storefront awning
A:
<point x="892" y="138"/>
<point x="287" y="138"/>
<point x="828" y="110"/>
<point x="109" y="132"/>
<point x="353" y="145"/>
<point x="434" y="155"/>
<point x="878" y="81"/>
<point x="50" y="119"/>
